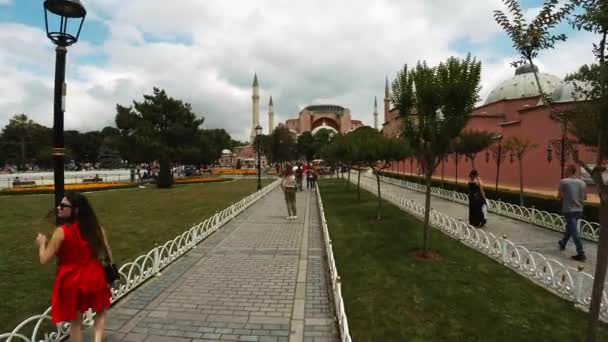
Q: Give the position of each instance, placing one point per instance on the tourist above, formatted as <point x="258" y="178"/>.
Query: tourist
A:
<point x="299" y="176"/>
<point x="80" y="284"/>
<point x="309" y="179"/>
<point x="315" y="175"/>
<point x="289" y="186"/>
<point x="477" y="201"/>
<point x="572" y="194"/>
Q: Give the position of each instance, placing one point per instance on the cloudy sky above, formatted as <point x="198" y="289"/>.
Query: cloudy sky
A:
<point x="206" y="52"/>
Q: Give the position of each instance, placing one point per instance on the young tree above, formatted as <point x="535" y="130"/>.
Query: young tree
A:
<point x="160" y="127"/>
<point x="473" y="142"/>
<point x="519" y="147"/>
<point x="435" y="104"/>
<point x="372" y="149"/>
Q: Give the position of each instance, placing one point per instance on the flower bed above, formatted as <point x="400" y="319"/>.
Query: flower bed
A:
<point x="49" y="189"/>
<point x="221" y="171"/>
<point x="190" y="180"/>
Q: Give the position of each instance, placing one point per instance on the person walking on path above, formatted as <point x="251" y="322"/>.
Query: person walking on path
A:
<point x="572" y="194"/>
<point x="477" y="199"/>
<point x="299" y="176"/>
<point x="80" y="283"/>
<point x="289" y="186"/>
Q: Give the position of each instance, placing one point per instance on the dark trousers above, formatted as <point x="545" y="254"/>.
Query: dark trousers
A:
<point x="572" y="231"/>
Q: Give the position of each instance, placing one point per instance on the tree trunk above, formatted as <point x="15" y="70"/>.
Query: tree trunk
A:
<point x="521" y="183"/>
<point x="379" y="215"/>
<point x="165" y="178"/>
<point x="456" y="161"/>
<point x="427" y="213"/>
<point x="359" y="184"/>
<point x="348" y="183"/>
<point x="600" y="268"/>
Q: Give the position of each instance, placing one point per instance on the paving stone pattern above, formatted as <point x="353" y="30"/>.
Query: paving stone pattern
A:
<point x="239" y="284"/>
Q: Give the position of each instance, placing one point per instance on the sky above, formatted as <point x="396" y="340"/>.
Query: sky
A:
<point x="206" y="53"/>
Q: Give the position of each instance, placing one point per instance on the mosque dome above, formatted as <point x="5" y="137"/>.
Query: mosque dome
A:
<point x="523" y="85"/>
<point x="570" y="91"/>
<point x="226" y="151"/>
<point x="323" y="126"/>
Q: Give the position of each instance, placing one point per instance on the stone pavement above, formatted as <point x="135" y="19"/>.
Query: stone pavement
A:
<point x="261" y="277"/>
<point x="534" y="238"/>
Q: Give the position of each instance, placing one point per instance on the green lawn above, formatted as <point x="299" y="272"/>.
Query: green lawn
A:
<point x="465" y="296"/>
<point x="134" y="219"/>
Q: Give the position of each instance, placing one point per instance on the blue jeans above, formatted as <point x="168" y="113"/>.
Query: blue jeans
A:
<point x="572" y="230"/>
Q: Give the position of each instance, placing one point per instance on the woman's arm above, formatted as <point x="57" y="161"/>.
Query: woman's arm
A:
<point x="47" y="251"/>
<point x="483" y="193"/>
<point x="105" y="242"/>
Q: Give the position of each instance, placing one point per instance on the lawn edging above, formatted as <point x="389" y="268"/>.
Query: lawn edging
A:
<point x="568" y="283"/>
<point x="336" y="285"/>
<point x="588" y="230"/>
<point x="135" y="273"/>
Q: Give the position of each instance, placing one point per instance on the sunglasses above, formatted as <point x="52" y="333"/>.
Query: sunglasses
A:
<point x="64" y="205"/>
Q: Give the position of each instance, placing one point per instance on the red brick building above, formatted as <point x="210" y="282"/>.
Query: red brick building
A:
<point x="513" y="108"/>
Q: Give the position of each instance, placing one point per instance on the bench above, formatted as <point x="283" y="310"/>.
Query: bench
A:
<point x="24" y="184"/>
<point x="92" y="180"/>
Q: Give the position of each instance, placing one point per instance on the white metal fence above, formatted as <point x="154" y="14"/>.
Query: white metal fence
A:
<point x="569" y="283"/>
<point x="335" y="278"/>
<point x="133" y="274"/>
<point x="588" y="230"/>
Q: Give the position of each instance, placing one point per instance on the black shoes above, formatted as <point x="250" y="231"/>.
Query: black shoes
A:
<point x="579" y="257"/>
<point x="561" y="245"/>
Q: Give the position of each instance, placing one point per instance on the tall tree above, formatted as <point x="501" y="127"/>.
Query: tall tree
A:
<point x="282" y="145"/>
<point x="161" y="128"/>
<point x="435" y="104"/>
<point x="519" y="147"/>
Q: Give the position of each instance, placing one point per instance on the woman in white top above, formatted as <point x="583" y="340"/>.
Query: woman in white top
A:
<point x="289" y="186"/>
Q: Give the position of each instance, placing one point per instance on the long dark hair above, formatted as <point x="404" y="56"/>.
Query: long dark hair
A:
<point x="89" y="227"/>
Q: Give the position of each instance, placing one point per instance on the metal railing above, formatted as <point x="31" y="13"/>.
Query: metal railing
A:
<point x="567" y="282"/>
<point x="133" y="274"/>
<point x="588" y="230"/>
<point x="335" y="278"/>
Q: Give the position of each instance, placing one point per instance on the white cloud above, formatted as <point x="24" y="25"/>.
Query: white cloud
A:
<point x="6" y="2"/>
<point x="206" y="53"/>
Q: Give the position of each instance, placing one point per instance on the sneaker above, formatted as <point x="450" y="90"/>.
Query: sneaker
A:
<point x="561" y="245"/>
<point x="294" y="217"/>
<point x="581" y="258"/>
<point x="289" y="217"/>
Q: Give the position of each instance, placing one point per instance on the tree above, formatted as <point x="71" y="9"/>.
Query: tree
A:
<point x="435" y="104"/>
<point x="160" y="127"/>
<point x="519" y="147"/>
<point x="593" y="18"/>
<point x="371" y="148"/>
<point x="473" y="142"/>
<point x="306" y="146"/>
<point x="282" y="145"/>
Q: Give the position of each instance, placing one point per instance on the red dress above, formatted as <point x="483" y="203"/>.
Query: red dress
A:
<point x="80" y="283"/>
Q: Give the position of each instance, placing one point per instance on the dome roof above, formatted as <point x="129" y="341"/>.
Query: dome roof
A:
<point x="568" y="91"/>
<point x="226" y="151"/>
<point x="523" y="85"/>
<point x="323" y="126"/>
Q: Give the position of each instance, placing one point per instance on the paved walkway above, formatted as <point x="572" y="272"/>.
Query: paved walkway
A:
<point x="259" y="278"/>
<point x="534" y="238"/>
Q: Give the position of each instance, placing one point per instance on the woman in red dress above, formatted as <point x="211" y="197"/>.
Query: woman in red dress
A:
<point x="80" y="244"/>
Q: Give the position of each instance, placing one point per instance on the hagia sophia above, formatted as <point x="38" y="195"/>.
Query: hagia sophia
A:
<point x="513" y="108"/>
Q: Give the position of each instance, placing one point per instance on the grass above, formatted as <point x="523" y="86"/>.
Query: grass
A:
<point x="464" y="296"/>
<point x="134" y="219"/>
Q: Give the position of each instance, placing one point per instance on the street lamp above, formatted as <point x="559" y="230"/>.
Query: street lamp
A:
<point x="258" y="134"/>
<point x="70" y="14"/>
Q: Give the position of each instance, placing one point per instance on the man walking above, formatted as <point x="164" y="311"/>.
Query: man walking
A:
<point x="572" y="194"/>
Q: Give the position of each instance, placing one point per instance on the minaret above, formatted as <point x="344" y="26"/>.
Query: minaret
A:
<point x="375" y="113"/>
<point x="387" y="101"/>
<point x="255" y="107"/>
<point x="270" y="116"/>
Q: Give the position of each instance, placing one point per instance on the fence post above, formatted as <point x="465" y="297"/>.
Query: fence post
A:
<point x="504" y="249"/>
<point x="579" y="285"/>
<point x="157" y="260"/>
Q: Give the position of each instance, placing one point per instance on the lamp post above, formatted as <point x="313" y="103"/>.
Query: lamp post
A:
<point x="69" y="14"/>
<point x="258" y="135"/>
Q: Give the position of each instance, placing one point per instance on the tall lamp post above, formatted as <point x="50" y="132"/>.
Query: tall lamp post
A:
<point x="68" y="14"/>
<point x="258" y="134"/>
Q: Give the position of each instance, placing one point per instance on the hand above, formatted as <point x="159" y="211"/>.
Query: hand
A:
<point x="41" y="239"/>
